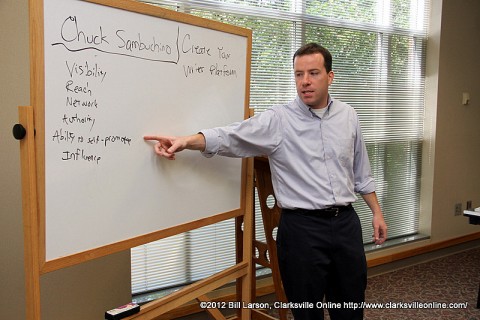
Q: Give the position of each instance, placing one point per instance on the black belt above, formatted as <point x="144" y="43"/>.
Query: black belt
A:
<point x="329" y="212"/>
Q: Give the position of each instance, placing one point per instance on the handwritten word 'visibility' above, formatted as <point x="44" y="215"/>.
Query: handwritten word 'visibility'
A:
<point x="85" y="70"/>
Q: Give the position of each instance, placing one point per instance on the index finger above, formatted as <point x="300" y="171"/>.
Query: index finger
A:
<point x="150" y="138"/>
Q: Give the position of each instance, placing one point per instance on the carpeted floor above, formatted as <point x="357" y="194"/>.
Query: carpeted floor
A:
<point x="445" y="288"/>
<point x="449" y="280"/>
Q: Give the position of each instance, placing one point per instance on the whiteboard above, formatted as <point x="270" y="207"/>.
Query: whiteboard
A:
<point x="111" y="77"/>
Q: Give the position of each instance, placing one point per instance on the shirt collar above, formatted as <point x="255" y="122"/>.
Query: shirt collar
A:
<point x="307" y="110"/>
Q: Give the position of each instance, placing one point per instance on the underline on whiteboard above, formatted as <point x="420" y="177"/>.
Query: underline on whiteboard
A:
<point x="116" y="53"/>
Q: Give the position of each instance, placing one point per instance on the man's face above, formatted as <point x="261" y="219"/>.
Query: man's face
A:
<point x="312" y="80"/>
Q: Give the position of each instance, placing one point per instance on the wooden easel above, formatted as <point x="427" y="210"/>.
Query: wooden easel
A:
<point x="31" y="124"/>
<point x="242" y="271"/>
<point x="30" y="211"/>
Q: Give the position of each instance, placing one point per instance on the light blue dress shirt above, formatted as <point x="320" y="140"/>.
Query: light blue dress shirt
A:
<point x="315" y="163"/>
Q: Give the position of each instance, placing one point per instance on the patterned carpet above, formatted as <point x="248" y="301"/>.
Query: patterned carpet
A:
<point x="445" y="288"/>
<point x="452" y="279"/>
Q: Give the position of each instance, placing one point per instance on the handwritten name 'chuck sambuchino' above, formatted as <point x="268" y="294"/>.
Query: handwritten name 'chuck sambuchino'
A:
<point x="73" y="34"/>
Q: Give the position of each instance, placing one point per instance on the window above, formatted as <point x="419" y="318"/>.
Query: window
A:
<point x="378" y="49"/>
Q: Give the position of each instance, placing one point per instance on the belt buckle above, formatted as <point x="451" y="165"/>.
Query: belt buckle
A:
<point x="334" y="211"/>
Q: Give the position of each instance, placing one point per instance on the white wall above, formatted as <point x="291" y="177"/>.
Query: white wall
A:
<point x="457" y="147"/>
<point x="79" y="292"/>
<point x="14" y="91"/>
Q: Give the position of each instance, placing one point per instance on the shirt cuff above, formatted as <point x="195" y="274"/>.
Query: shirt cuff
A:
<point x="367" y="187"/>
<point x="211" y="142"/>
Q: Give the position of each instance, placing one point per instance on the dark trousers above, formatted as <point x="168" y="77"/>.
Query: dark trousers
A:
<point x="322" y="257"/>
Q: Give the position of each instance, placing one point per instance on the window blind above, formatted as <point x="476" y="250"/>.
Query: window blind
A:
<point x="378" y="49"/>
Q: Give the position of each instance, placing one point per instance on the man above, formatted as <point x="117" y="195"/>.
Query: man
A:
<point x="318" y="161"/>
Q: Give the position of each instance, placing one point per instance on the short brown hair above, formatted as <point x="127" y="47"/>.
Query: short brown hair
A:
<point x="311" y="48"/>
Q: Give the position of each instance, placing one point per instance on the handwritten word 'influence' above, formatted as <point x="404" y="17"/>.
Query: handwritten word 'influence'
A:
<point x="80" y="154"/>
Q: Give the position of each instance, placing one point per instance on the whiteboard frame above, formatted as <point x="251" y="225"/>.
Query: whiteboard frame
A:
<point x="38" y="102"/>
<point x="32" y="152"/>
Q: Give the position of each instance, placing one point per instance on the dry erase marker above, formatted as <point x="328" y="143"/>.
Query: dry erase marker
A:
<point x="122" y="312"/>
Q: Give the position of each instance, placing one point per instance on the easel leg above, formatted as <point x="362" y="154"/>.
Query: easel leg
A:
<point x="30" y="215"/>
<point x="248" y="227"/>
